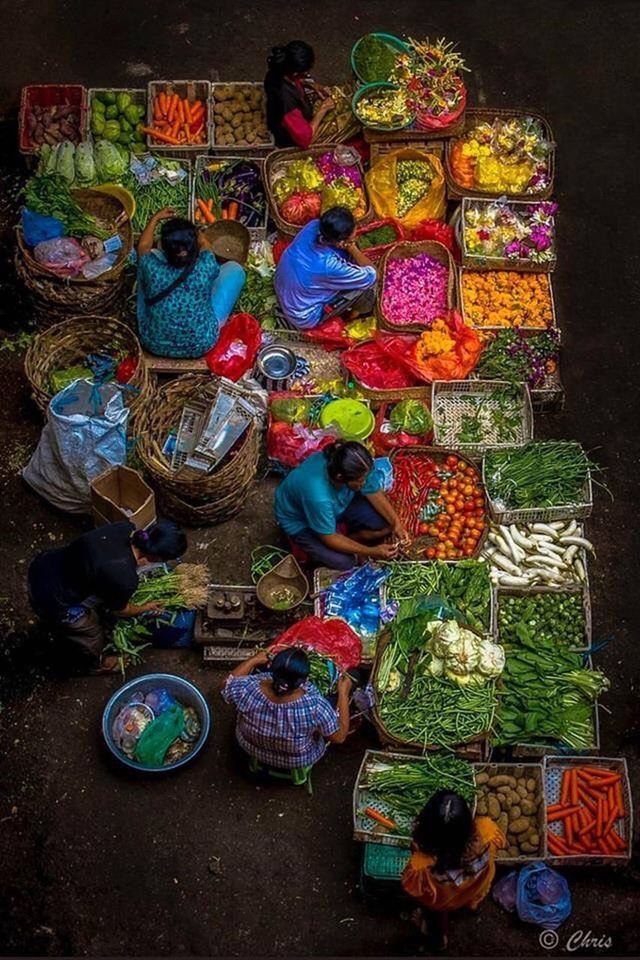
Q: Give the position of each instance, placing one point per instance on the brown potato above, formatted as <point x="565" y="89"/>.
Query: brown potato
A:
<point x="502" y="780"/>
<point x="534" y="839"/>
<point x="482" y="778"/>
<point x="527" y="847"/>
<point x="503" y="822"/>
<point x="482" y="808"/>
<point x="531" y="785"/>
<point x="513" y="851"/>
<point x="236" y="121"/>
<point x="529" y="808"/>
<point x="514" y="814"/>
<point x="520" y="826"/>
<point x="524" y="793"/>
<point x="493" y="806"/>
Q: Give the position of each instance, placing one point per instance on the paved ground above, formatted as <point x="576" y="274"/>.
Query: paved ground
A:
<point x="95" y="864"/>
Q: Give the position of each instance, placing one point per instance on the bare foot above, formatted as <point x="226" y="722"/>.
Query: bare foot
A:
<point x="107" y="665"/>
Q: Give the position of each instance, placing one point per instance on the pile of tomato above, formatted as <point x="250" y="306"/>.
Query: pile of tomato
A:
<point x="456" y="490"/>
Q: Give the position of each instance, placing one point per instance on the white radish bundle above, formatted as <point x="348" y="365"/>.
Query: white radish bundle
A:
<point x="549" y="554"/>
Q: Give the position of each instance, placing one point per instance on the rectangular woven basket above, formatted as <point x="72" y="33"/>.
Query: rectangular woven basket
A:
<point x="488" y="327"/>
<point x="261" y="146"/>
<point x="406" y="250"/>
<point x="478" y="262"/>
<point x="581" y="588"/>
<point x="534" y="771"/>
<point x="448" y="401"/>
<point x="192" y="90"/>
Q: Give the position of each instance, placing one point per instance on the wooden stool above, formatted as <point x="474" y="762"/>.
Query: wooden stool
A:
<point x="170" y="367"/>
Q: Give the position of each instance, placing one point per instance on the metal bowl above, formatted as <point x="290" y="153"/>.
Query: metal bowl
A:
<point x="183" y="691"/>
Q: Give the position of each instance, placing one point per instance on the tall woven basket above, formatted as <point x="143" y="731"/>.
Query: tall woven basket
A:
<point x="278" y="160"/>
<point x="53" y="300"/>
<point x="405" y="250"/>
<point x="195" y="499"/>
<point x="68" y="343"/>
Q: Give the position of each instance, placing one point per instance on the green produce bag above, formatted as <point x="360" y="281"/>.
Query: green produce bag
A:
<point x="290" y="410"/>
<point x="59" y="379"/>
<point x="157" y="737"/>
<point x="411" y="416"/>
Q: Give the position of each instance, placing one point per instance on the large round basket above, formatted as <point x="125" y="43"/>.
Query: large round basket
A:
<point x="204" y="514"/>
<point x="466" y="747"/>
<point x="53" y="300"/>
<point x="223" y="491"/>
<point x="68" y="343"/>
<point x="405" y="250"/>
<point x="110" y="213"/>
<point x="278" y="160"/>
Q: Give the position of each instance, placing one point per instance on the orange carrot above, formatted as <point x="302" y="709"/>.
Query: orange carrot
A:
<point x="159" y="135"/>
<point x="204" y="210"/>
<point x="225" y="214"/>
<point x="180" y="111"/>
<point x="556" y="844"/>
<point x="175" y="130"/>
<point x="574" y="787"/>
<point x="161" y="100"/>
<point x="561" y="814"/>
<point x="599" y="818"/>
<point x="233" y="210"/>
<point x="599" y="772"/>
<point x="186" y="110"/>
<point x="589" y="803"/>
<point x="210" y="203"/>
<point x="587" y="828"/>
<point x="380" y="818"/>
<point x="172" y="107"/>
<point x="566" y="783"/>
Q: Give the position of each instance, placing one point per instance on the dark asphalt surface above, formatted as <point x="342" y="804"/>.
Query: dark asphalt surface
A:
<point x="92" y="863"/>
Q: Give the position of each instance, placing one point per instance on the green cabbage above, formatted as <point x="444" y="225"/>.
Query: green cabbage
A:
<point x="111" y="164"/>
<point x="411" y="416"/>
<point x="65" y="158"/>
<point x="85" y="165"/>
<point x="111" y="130"/>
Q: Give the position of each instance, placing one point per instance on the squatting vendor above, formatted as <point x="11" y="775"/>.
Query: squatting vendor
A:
<point x="338" y="487"/>
<point x="68" y="586"/>
<point x="323" y="273"/>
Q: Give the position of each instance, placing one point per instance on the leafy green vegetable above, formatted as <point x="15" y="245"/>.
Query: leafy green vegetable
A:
<point x="110" y="163"/>
<point x="49" y="195"/>
<point x="464" y="587"/>
<point x="406" y="786"/>
<point x="545" y="474"/>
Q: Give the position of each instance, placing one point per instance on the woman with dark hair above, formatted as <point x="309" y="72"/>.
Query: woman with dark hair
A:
<point x="290" y="114"/>
<point x="99" y="568"/>
<point x="339" y="486"/>
<point x="184" y="294"/>
<point x="283" y="720"/>
<point x="452" y="863"/>
<point x="323" y="272"/>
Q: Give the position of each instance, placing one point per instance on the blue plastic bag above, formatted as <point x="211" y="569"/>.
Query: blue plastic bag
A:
<point x="36" y="228"/>
<point x="172" y="628"/>
<point x="543" y="896"/>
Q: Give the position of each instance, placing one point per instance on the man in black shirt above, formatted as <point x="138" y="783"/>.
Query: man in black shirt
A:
<point x="100" y="568"/>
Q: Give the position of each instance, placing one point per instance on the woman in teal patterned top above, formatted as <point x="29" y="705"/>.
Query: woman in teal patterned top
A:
<point x="184" y="294"/>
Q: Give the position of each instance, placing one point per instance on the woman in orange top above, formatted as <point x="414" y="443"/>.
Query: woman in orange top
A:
<point x="452" y="863"/>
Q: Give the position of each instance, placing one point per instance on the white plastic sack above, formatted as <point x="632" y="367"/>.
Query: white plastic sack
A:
<point x="85" y="434"/>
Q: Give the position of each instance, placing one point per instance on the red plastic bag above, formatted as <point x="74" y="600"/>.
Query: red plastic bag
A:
<point x="331" y="334"/>
<point x="434" y="230"/>
<point x="237" y="346"/>
<point x="455" y="365"/>
<point x="290" y="444"/>
<point x="376" y="368"/>
<point x="279" y="247"/>
<point x="333" y="639"/>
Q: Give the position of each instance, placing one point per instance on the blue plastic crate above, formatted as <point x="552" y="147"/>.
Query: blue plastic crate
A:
<point x="382" y="862"/>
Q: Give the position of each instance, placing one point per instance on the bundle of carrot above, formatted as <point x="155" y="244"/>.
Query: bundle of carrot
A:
<point x="206" y="210"/>
<point x="590" y="805"/>
<point x="177" y="120"/>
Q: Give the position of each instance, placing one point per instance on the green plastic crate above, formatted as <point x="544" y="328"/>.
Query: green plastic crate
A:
<point x="382" y="862"/>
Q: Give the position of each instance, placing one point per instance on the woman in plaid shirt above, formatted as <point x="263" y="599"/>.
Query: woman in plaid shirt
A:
<point x="283" y="720"/>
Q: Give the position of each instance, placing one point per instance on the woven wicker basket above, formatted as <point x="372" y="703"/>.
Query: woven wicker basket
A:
<point x="456" y="191"/>
<point x="53" y="300"/>
<point x="479" y="262"/>
<point x="498" y="593"/>
<point x="404" y="250"/>
<point x="106" y="208"/>
<point x="68" y="343"/>
<point x="488" y="328"/>
<point x="199" y="515"/>
<point x="227" y="485"/>
<point x="472" y="745"/>
<point x="278" y="159"/>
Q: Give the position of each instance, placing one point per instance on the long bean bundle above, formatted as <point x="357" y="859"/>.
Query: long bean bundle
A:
<point x="406" y="786"/>
<point x="464" y="586"/>
<point x="538" y="474"/>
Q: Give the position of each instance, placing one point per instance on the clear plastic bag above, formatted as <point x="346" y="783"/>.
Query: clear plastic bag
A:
<point x="61" y="255"/>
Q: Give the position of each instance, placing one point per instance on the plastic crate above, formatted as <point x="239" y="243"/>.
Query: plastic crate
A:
<point x="262" y="145"/>
<point x="138" y="97"/>
<point x="49" y="95"/>
<point x="382" y="862"/>
<point x="364" y="827"/>
<point x="449" y="400"/>
<point x="533" y="771"/>
<point x="581" y="588"/>
<point x="193" y="90"/>
<point x="258" y="232"/>
<point x="506" y="515"/>
<point x="554" y="768"/>
<point x="479" y="262"/>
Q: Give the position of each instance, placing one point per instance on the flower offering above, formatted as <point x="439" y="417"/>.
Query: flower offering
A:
<point x="415" y="290"/>
<point x="506" y="156"/>
<point x="516" y="231"/>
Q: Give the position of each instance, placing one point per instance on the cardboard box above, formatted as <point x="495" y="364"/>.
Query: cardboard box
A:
<point x="119" y="494"/>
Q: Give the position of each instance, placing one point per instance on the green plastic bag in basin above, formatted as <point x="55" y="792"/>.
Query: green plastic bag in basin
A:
<point x="157" y="737"/>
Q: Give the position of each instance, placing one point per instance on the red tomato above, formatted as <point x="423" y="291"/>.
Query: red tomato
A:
<point x="424" y="528"/>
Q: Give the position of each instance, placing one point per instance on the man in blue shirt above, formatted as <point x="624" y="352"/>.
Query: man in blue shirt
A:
<point x="323" y="266"/>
